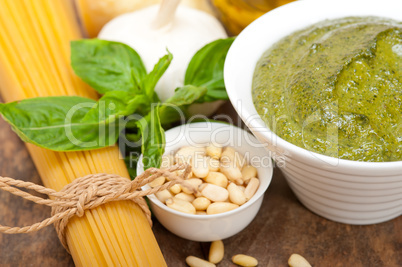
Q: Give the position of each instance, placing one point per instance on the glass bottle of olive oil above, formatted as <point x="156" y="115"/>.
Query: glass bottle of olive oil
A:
<point x="237" y="14"/>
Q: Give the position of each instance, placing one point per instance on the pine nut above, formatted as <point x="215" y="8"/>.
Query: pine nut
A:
<point x="180" y="173"/>
<point x="216" y="252"/>
<point x="190" y="186"/>
<point x="217" y="178"/>
<point x="200" y="166"/>
<point x="228" y="156"/>
<point x="180" y="205"/>
<point x="197" y="262"/>
<point x="297" y="260"/>
<point x="185" y="154"/>
<point x="251" y="188"/>
<point x="248" y="172"/>
<point x="163" y="195"/>
<point x="244" y="260"/>
<point x="201" y="212"/>
<point x="186" y="197"/>
<point x="198" y="194"/>
<point x="167" y="161"/>
<point x="220" y="207"/>
<point x="242" y="187"/>
<point x="201" y="203"/>
<point x="213" y="164"/>
<point x="240" y="161"/>
<point x="214" y="192"/>
<point x="214" y="151"/>
<point x="157" y="182"/>
<point x="232" y="173"/>
<point x="175" y="189"/>
<point x="236" y="196"/>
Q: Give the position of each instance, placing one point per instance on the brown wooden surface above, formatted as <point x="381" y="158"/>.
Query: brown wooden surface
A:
<point x="282" y="227"/>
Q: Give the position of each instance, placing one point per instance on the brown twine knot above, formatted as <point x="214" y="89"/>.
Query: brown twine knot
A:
<point x="89" y="192"/>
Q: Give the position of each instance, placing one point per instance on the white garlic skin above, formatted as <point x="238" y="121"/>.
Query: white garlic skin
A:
<point x="189" y="31"/>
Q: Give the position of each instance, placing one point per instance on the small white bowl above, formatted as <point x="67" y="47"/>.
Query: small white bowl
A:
<point x="206" y="228"/>
<point x="341" y="190"/>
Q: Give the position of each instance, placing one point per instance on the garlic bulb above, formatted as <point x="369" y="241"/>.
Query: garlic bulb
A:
<point x="183" y="35"/>
<point x="94" y="14"/>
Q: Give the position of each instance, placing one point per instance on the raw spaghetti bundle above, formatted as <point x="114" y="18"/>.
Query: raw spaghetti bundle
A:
<point x="34" y="61"/>
<point x="89" y="192"/>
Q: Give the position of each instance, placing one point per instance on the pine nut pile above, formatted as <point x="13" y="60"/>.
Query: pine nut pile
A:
<point x="221" y="179"/>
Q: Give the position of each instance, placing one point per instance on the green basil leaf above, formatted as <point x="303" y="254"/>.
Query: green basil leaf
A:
<point x="206" y="69"/>
<point x="153" y="77"/>
<point x="172" y="109"/>
<point x="186" y="95"/>
<point x="153" y="139"/>
<point x="107" y="66"/>
<point x="114" y="104"/>
<point x="55" y="123"/>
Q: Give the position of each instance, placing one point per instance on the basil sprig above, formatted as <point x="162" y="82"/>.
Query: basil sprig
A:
<point x="50" y="122"/>
<point x="153" y="138"/>
<point x="108" y="66"/>
<point x="116" y="71"/>
<point x="206" y="69"/>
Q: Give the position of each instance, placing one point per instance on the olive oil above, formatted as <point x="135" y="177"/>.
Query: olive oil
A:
<point x="237" y="14"/>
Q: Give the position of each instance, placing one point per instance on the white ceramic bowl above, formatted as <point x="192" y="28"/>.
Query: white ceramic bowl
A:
<point x="205" y="228"/>
<point x="341" y="190"/>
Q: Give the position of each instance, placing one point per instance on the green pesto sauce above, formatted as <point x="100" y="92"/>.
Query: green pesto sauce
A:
<point x="335" y="88"/>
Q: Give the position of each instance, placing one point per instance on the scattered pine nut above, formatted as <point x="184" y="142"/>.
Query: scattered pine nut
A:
<point x="296" y="260"/>
<point x="216" y="252"/>
<point x="197" y="262"/>
<point x="244" y="260"/>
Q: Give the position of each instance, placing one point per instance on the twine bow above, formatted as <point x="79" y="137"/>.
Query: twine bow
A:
<point x="87" y="193"/>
